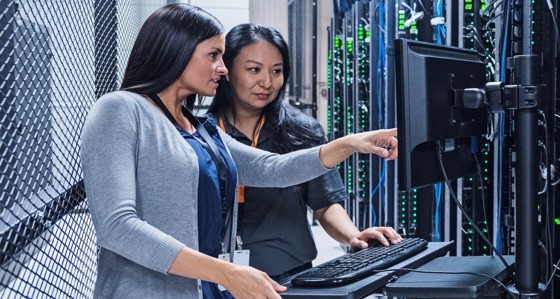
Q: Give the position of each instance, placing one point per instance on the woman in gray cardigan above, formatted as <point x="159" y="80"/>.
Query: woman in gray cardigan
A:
<point x="161" y="183"/>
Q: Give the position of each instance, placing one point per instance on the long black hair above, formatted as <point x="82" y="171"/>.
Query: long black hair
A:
<point x="165" y="45"/>
<point x="292" y="129"/>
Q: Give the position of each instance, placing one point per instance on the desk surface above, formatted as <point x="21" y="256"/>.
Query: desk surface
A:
<point x="456" y="278"/>
<point x="368" y="285"/>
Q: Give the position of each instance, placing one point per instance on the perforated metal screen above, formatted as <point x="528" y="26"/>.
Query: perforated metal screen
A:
<point x="56" y="58"/>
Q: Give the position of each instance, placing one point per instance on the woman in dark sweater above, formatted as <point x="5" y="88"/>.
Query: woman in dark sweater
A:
<point x="249" y="106"/>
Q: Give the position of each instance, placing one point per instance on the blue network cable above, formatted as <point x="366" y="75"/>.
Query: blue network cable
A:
<point x="501" y="131"/>
<point x="379" y="81"/>
<point x="437" y="191"/>
<point x="440" y="39"/>
<point x="381" y="178"/>
<point x="440" y="33"/>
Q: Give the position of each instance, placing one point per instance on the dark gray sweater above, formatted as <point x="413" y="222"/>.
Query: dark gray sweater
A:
<point x="141" y="180"/>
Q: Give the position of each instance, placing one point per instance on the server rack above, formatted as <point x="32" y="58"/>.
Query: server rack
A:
<point x="498" y="31"/>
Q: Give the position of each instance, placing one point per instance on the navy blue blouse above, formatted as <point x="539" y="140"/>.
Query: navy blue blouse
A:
<point x="210" y="228"/>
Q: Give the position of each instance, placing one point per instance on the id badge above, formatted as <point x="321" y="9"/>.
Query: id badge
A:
<point x="241" y="257"/>
<point x="223" y="257"/>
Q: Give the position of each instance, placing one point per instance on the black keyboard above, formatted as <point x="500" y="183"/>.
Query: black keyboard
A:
<point x="357" y="265"/>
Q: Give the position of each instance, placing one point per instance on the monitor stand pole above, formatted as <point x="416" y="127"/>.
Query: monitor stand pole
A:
<point x="526" y="177"/>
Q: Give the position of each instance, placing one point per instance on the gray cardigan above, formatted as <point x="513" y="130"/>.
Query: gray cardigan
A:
<point x="141" y="181"/>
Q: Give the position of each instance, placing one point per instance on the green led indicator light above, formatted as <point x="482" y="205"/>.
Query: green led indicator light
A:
<point x="557" y="221"/>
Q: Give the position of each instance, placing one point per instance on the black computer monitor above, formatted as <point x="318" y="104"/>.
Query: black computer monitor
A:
<point x="430" y="79"/>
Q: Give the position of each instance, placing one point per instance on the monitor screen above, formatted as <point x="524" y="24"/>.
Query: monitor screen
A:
<point x="430" y="111"/>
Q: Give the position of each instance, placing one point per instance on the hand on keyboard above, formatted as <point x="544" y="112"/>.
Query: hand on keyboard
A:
<point x="353" y="266"/>
<point x="375" y="235"/>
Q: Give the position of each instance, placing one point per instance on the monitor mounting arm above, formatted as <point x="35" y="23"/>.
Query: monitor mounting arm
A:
<point x="524" y="96"/>
<point x="496" y="97"/>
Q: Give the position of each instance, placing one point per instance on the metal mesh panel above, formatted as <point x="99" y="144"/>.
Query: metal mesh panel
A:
<point x="56" y="59"/>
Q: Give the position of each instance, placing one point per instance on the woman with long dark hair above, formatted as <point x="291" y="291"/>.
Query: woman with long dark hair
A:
<point x="250" y="107"/>
<point x="162" y="184"/>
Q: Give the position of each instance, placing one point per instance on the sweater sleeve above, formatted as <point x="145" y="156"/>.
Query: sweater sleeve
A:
<point x="108" y="152"/>
<point x="258" y="168"/>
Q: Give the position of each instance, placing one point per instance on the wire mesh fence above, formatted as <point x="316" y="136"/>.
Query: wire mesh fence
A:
<point x="56" y="58"/>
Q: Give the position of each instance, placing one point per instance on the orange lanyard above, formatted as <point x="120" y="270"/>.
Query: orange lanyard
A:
<point x="254" y="142"/>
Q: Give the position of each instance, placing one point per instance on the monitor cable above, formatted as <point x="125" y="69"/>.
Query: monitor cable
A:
<point x="439" y="151"/>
